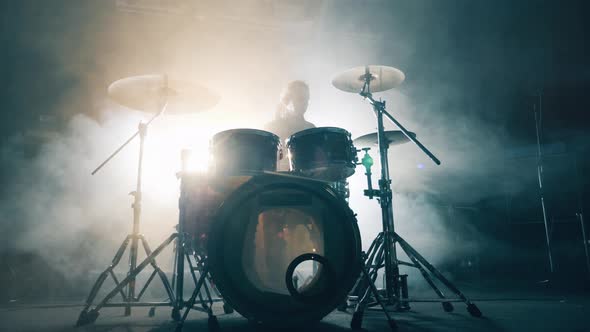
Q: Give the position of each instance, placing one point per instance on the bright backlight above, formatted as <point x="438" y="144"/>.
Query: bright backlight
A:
<point x="196" y="161"/>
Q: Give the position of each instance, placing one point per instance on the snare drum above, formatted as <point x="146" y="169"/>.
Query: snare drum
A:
<point x="325" y="153"/>
<point x="244" y="152"/>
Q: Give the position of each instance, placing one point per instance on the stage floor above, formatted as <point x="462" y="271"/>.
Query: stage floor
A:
<point x="535" y="313"/>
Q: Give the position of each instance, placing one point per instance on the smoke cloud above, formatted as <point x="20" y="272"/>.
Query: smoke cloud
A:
<point x="75" y="221"/>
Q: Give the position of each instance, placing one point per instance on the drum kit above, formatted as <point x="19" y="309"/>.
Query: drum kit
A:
<point x="282" y="249"/>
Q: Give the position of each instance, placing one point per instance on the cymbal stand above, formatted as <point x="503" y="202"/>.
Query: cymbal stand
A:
<point x="130" y="299"/>
<point x="540" y="177"/>
<point x="382" y="252"/>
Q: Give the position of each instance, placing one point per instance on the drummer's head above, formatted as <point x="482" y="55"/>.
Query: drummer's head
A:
<point x="297" y="94"/>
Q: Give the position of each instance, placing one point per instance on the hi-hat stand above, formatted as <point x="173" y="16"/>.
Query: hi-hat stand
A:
<point x="382" y="252"/>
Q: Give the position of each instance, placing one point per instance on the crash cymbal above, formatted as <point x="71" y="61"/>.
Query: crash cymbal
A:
<point x="382" y="78"/>
<point x="148" y="92"/>
<point x="395" y="137"/>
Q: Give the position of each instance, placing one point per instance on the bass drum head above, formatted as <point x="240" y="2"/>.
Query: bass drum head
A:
<point x="284" y="251"/>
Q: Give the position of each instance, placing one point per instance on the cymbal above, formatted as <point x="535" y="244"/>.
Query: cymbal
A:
<point x="148" y="92"/>
<point x="382" y="78"/>
<point x="395" y="137"/>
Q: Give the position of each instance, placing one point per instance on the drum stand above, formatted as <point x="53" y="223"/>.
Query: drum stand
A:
<point x="203" y="283"/>
<point x="382" y="252"/>
<point x="206" y="304"/>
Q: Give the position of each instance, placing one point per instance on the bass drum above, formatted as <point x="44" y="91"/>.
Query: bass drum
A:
<point x="283" y="250"/>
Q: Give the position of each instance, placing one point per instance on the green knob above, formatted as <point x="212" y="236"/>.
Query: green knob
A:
<point x="367" y="161"/>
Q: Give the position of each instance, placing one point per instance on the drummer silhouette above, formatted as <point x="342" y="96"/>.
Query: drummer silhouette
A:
<point x="289" y="115"/>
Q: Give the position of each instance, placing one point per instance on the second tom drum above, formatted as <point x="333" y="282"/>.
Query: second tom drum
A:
<point x="325" y="153"/>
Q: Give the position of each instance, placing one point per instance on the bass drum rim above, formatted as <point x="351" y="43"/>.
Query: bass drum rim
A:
<point x="231" y="292"/>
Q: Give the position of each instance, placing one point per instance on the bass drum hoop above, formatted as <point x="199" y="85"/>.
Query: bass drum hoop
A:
<point x="231" y="292"/>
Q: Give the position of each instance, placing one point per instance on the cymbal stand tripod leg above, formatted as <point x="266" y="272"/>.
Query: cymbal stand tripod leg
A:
<point x="415" y="255"/>
<point x="357" y="316"/>
<point x="89" y="315"/>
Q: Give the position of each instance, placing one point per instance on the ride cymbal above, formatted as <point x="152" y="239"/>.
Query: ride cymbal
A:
<point x="394" y="137"/>
<point x="148" y="93"/>
<point x="381" y="78"/>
